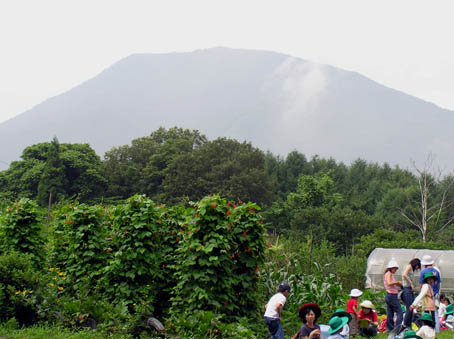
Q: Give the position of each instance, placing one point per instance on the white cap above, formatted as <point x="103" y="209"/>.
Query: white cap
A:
<point x="355" y="293"/>
<point x="427" y="260"/>
<point x="392" y="263"/>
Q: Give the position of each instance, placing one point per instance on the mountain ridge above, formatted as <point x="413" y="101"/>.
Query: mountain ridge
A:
<point x="278" y="102"/>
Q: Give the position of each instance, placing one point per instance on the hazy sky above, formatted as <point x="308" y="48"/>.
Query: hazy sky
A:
<point x="50" y="46"/>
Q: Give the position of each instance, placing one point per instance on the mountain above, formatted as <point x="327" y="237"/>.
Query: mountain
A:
<point x="278" y="102"/>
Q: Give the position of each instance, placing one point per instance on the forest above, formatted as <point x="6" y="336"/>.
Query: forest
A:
<point x="112" y="241"/>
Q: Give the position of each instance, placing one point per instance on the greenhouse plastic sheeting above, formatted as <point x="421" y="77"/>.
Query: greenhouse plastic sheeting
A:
<point x="379" y="258"/>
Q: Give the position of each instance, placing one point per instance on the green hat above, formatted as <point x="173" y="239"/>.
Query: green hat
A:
<point x="449" y="309"/>
<point x="411" y="334"/>
<point x="430" y="275"/>
<point x="427" y="317"/>
<point x="336" y="323"/>
<point x="340" y="312"/>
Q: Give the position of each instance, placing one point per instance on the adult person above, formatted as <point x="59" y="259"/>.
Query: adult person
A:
<point x="309" y="313"/>
<point x="369" y="317"/>
<point x="428" y="264"/>
<point x="273" y="311"/>
<point x="392" y="302"/>
<point x="427" y="296"/>
<point x="408" y="289"/>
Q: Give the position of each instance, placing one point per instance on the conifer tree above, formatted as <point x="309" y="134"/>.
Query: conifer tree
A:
<point x="53" y="182"/>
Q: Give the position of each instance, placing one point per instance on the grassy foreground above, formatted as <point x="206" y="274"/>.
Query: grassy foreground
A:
<point x="45" y="332"/>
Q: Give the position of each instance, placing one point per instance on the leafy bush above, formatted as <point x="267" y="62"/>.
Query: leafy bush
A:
<point x="79" y="245"/>
<point x="221" y="248"/>
<point x="21" y="289"/>
<point x="134" y="265"/>
<point x="21" y="231"/>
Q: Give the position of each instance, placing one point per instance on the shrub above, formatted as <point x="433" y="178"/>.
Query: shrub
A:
<point x="221" y="247"/>
<point x="21" y="231"/>
<point x="79" y="245"/>
<point x="21" y="289"/>
<point x="135" y="258"/>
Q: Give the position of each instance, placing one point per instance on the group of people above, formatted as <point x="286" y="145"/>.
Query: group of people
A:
<point x="437" y="311"/>
<point x="428" y="298"/>
<point x="342" y="324"/>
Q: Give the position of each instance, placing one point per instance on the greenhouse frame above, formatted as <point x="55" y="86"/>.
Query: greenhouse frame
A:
<point x="379" y="258"/>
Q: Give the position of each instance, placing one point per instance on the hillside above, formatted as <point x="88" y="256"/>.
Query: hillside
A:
<point x="279" y="103"/>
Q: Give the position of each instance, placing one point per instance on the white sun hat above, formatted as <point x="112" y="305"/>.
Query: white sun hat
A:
<point x="355" y="293"/>
<point x="367" y="304"/>
<point x="392" y="263"/>
<point x="427" y="260"/>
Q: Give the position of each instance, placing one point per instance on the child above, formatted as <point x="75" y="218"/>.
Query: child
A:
<point x="448" y="319"/>
<point x="352" y="308"/>
<point x="444" y="301"/>
<point x="426" y="296"/>
<point x="411" y="335"/>
<point x="335" y="327"/>
<point x="273" y="311"/>
<point x="427" y="330"/>
<point x="345" y="333"/>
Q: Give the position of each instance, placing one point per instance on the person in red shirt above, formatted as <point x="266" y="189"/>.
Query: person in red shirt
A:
<point x="367" y="320"/>
<point x="352" y="308"/>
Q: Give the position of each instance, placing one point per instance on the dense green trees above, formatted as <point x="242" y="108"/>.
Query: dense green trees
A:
<point x="142" y="167"/>
<point x="235" y="170"/>
<point x="309" y="197"/>
<point x="179" y="165"/>
<point x="65" y="170"/>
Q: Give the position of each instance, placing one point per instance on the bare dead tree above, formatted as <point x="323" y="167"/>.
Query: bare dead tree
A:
<point x="428" y="207"/>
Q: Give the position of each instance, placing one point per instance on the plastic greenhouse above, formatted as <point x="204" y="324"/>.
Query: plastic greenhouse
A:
<point x="379" y="258"/>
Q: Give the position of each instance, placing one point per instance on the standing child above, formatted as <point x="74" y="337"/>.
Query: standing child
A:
<point x="352" y="308"/>
<point x="273" y="311"/>
<point x="426" y="296"/>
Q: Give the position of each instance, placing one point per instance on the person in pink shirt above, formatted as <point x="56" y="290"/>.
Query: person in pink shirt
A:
<point x="392" y="302"/>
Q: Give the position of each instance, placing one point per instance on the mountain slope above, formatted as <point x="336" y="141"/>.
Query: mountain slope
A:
<point x="277" y="102"/>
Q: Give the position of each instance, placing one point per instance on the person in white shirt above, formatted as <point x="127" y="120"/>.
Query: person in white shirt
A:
<point x="426" y="296"/>
<point x="427" y="330"/>
<point x="444" y="301"/>
<point x="273" y="311"/>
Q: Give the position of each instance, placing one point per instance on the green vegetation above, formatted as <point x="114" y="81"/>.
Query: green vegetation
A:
<point x="159" y="228"/>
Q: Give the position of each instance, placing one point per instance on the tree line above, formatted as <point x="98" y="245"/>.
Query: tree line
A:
<point x="312" y="199"/>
